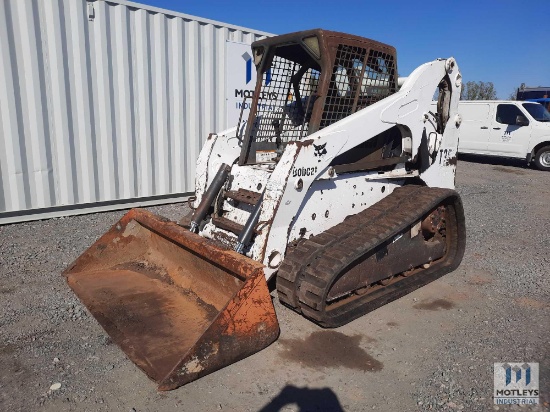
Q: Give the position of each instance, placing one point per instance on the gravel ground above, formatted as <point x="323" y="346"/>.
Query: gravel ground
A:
<point x="430" y="350"/>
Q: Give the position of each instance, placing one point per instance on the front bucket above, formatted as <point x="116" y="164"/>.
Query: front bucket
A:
<point x="178" y="305"/>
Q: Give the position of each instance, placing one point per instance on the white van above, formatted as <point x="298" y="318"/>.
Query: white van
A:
<point x="506" y="128"/>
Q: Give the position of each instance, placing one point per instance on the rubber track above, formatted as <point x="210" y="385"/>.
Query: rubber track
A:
<point x="309" y="270"/>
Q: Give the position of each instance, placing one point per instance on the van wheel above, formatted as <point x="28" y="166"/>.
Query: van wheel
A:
<point x="542" y="158"/>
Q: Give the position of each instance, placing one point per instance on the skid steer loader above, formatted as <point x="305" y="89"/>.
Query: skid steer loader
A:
<point x="339" y="184"/>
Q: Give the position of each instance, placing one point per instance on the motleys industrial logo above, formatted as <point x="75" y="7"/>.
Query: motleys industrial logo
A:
<point x="507" y="136"/>
<point x="249" y="93"/>
<point x="516" y="383"/>
<point x="248" y="61"/>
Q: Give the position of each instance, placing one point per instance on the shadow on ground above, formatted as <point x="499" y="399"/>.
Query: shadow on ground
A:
<point x="306" y="399"/>
<point x="494" y="160"/>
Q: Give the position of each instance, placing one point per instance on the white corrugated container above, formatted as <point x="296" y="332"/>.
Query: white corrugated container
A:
<point x="105" y="104"/>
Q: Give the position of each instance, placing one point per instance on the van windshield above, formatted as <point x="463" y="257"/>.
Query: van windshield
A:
<point x="538" y="112"/>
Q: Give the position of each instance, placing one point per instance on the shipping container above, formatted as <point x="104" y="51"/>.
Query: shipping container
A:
<point x="106" y="104"/>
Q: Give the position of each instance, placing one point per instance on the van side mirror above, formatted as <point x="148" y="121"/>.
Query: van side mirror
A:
<point x="521" y="120"/>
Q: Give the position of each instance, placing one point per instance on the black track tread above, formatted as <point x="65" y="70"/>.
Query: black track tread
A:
<point x="308" y="271"/>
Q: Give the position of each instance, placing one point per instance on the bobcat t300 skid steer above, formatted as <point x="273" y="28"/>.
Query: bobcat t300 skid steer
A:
<point x="339" y="184"/>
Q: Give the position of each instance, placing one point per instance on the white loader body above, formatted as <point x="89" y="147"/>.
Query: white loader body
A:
<point x="301" y="190"/>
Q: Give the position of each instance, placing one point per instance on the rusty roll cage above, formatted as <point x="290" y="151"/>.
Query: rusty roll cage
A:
<point x="322" y="51"/>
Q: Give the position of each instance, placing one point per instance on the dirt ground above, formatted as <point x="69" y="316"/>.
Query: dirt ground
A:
<point x="433" y="349"/>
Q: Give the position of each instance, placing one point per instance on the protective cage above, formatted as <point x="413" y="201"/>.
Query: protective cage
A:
<point x="310" y="80"/>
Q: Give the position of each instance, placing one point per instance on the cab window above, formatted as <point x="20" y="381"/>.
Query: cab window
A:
<point x="507" y="113"/>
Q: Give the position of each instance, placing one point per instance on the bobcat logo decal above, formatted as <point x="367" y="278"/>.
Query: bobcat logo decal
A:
<point x="320" y="150"/>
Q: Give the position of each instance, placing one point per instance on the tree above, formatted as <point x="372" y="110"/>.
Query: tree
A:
<point x="478" y="91"/>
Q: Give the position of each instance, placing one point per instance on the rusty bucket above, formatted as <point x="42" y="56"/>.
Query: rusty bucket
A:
<point x="178" y="305"/>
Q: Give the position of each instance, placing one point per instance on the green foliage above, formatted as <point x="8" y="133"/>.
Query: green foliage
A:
<point x="478" y="91"/>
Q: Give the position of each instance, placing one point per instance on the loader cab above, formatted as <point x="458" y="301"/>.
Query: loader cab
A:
<point x="309" y="80"/>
